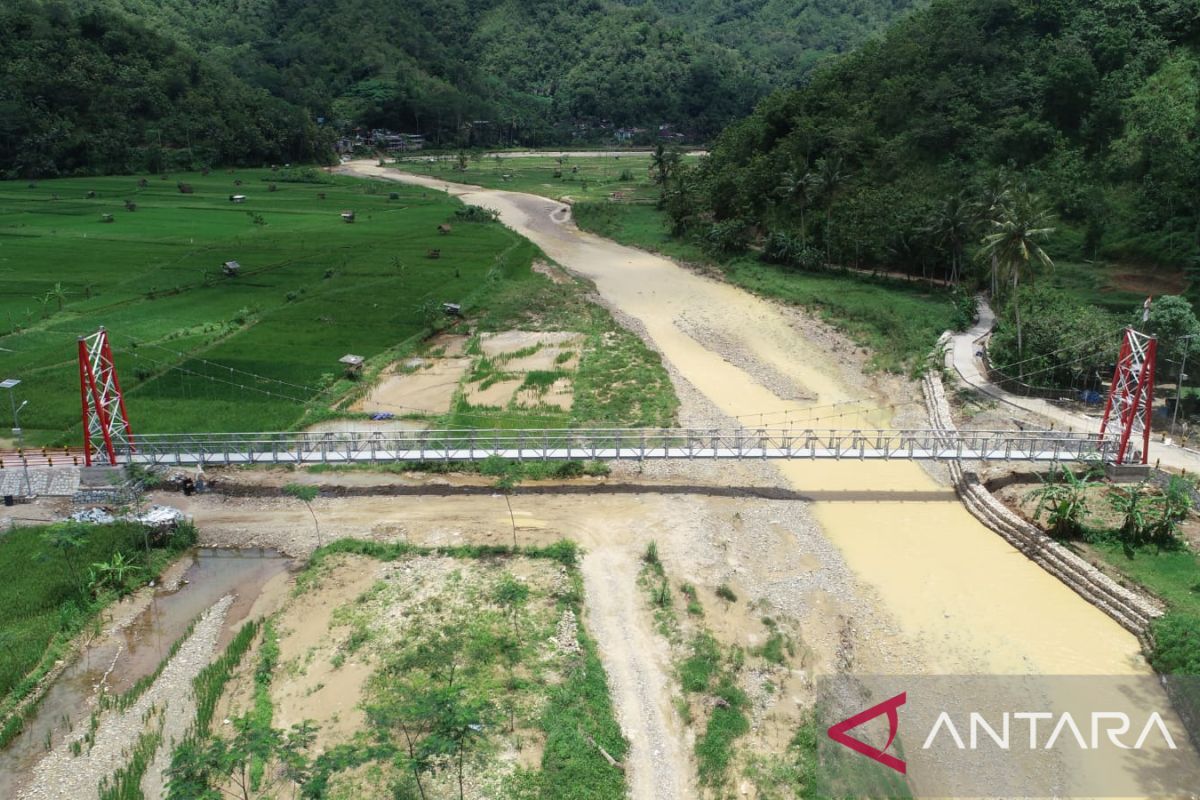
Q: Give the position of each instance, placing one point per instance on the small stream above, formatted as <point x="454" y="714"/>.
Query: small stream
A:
<point x="139" y="649"/>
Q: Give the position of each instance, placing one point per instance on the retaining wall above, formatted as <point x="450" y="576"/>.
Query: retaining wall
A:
<point x="1132" y="609"/>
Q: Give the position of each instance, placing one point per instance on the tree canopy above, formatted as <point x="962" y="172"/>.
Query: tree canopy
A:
<point x="1092" y="103"/>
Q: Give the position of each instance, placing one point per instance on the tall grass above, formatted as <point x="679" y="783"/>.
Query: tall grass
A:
<point x="43" y="604"/>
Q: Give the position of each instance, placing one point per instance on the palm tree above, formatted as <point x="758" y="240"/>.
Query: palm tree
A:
<point x="831" y="174"/>
<point x="950" y="228"/>
<point x="1019" y="225"/>
<point x="994" y="196"/>
<point x="798" y="186"/>
<point x="663" y="163"/>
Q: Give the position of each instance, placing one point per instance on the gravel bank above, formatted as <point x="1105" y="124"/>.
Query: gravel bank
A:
<point x="63" y="775"/>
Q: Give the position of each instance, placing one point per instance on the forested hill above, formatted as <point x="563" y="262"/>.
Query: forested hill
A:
<point x="96" y="92"/>
<point x="470" y="72"/>
<point x="888" y="155"/>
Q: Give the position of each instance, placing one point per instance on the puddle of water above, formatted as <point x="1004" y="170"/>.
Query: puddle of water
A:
<point x="140" y="648"/>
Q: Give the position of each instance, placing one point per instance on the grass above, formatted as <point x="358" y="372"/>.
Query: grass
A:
<point x="189" y="342"/>
<point x="1171" y="574"/>
<point x="490" y="626"/>
<point x="898" y="321"/>
<point x="43" y="604"/>
<point x="581" y="178"/>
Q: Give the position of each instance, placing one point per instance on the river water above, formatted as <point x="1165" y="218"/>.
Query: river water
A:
<point x="138" y="649"/>
<point x="966" y="599"/>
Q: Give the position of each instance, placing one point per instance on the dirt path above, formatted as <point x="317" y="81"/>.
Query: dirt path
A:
<point x="636" y="662"/>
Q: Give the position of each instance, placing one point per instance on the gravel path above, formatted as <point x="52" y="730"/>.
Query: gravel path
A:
<point x="61" y="775"/>
<point x="636" y="664"/>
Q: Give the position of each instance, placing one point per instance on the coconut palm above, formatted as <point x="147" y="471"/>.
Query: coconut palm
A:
<point x="995" y="194"/>
<point x="950" y="228"/>
<point x="663" y="163"/>
<point x="1018" y="226"/>
<point x="831" y="175"/>
<point x="799" y="187"/>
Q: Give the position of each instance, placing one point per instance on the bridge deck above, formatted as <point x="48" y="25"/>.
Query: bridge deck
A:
<point x="633" y="444"/>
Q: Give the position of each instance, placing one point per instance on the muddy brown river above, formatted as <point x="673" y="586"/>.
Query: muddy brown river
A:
<point x="968" y="601"/>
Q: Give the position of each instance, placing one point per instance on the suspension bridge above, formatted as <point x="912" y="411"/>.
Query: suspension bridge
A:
<point x="574" y="444"/>
<point x="1124" y="436"/>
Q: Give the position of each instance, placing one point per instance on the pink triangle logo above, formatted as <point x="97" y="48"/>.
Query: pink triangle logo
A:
<point x="839" y="735"/>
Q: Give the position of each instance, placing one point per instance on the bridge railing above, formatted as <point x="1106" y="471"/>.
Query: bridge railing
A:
<point x="613" y="443"/>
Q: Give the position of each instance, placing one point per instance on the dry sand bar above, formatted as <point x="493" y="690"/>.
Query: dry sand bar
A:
<point x="610" y="444"/>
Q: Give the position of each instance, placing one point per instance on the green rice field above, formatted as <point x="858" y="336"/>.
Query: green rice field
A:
<point x="197" y="350"/>
<point x="625" y="178"/>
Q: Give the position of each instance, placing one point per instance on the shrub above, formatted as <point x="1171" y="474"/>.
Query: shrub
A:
<point x="1176" y="644"/>
<point x="476" y="214"/>
<point x="726" y="593"/>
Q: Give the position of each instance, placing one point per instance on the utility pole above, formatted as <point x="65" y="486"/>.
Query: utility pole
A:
<point x="10" y="384"/>
<point x="1187" y="341"/>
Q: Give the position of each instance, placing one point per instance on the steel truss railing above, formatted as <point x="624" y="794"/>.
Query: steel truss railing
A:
<point x="609" y="444"/>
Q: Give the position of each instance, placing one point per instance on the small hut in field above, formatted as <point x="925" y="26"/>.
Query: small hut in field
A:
<point x="353" y="365"/>
<point x="347" y="216"/>
<point x="231" y="269"/>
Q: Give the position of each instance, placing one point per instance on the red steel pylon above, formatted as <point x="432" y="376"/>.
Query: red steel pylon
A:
<point x="106" y="429"/>
<point x="1131" y="398"/>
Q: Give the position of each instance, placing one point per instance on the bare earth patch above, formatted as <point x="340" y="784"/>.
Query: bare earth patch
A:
<point x="428" y="388"/>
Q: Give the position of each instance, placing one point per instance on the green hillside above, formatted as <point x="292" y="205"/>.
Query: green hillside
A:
<point x="889" y="155"/>
<point x="112" y="85"/>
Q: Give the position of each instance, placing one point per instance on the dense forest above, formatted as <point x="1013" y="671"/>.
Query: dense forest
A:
<point x="1084" y="113"/>
<point x="95" y="92"/>
<point x="104" y="85"/>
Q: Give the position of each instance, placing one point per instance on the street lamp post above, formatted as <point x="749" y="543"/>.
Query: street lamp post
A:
<point x="10" y="384"/>
<point x="1187" y="341"/>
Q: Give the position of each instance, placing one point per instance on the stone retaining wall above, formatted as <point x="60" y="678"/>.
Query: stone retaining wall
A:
<point x="1134" y="610"/>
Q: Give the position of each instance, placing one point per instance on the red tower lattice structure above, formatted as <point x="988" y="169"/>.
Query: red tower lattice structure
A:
<point x="1131" y="398"/>
<point x="106" y="429"/>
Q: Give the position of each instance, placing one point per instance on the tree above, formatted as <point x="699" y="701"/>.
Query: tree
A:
<point x="435" y="697"/>
<point x="305" y="494"/>
<point x="67" y="538"/>
<point x="831" y="175"/>
<point x="1171" y="319"/>
<point x="199" y="762"/>
<point x="951" y="228"/>
<point x="59" y="294"/>
<point x="663" y="164"/>
<point x="798" y="187"/>
<point x="1018" y="227"/>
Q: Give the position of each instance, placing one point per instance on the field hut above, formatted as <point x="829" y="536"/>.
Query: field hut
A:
<point x="452" y="309"/>
<point x="185" y="188"/>
<point x="444" y="229"/>
<point x="231" y="269"/>
<point x="433" y="253"/>
<point x="106" y="218"/>
<point x="237" y="198"/>
<point x="347" y="216"/>
<point x="91" y="195"/>
<point x="353" y="365"/>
